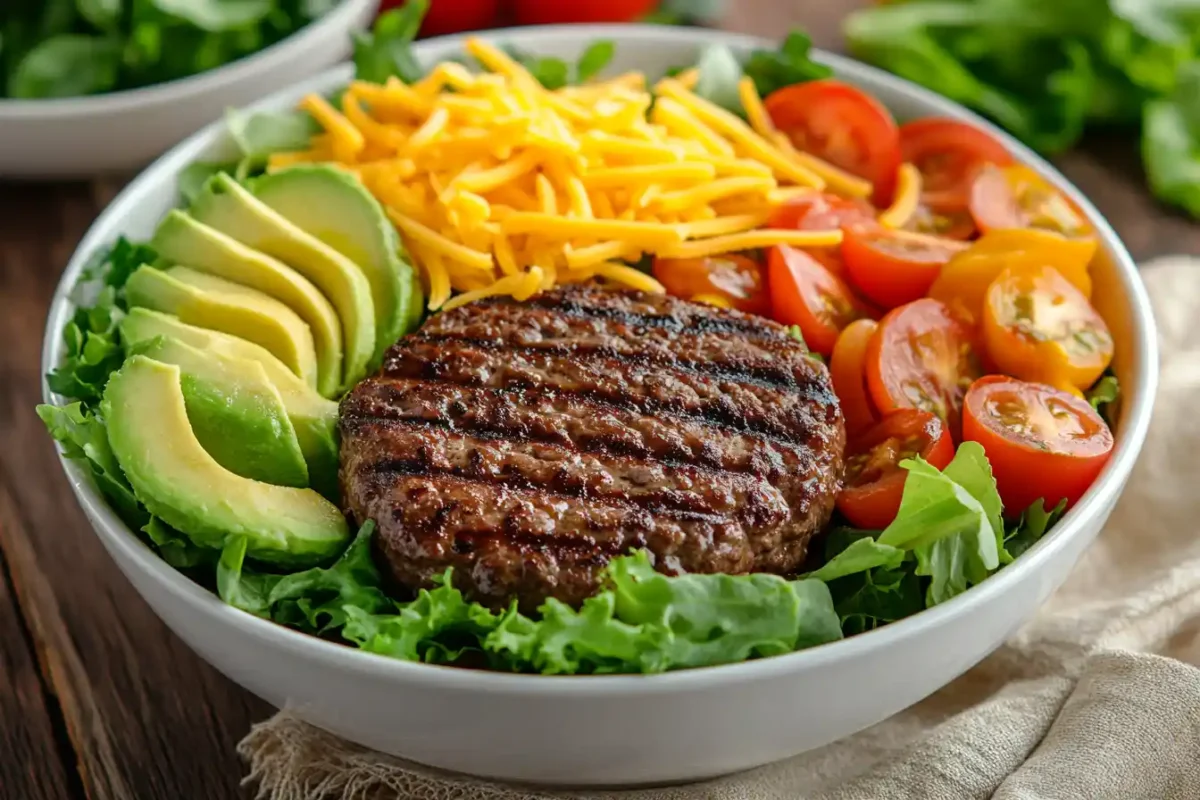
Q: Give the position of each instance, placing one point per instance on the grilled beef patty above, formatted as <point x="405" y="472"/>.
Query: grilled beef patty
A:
<point x="527" y="444"/>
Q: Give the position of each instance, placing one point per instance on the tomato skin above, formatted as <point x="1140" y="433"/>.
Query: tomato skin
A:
<point x="892" y="268"/>
<point x="842" y="125"/>
<point x="874" y="478"/>
<point x="453" y="16"/>
<point x="549" y="12"/>
<point x="736" y="279"/>
<point x="1041" y="442"/>
<point x="921" y="356"/>
<point x="847" y="370"/>
<point x="949" y="154"/>
<point x="1038" y="327"/>
<point x="1017" y="197"/>
<point x="804" y="292"/>
<point x="822" y="212"/>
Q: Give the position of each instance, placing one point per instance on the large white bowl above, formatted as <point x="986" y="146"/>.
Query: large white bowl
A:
<point x="76" y="137"/>
<point x="625" y="729"/>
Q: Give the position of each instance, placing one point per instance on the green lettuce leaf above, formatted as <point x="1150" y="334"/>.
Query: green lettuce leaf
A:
<point x="555" y="73"/>
<point x="386" y="50"/>
<point x="866" y="600"/>
<point x="595" y="58"/>
<point x="1032" y="526"/>
<point x="791" y="63"/>
<point x="175" y="548"/>
<point x="860" y="556"/>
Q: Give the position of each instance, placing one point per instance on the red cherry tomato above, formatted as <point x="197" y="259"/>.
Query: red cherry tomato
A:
<point x="842" y="125"/>
<point x="452" y="16"/>
<point x="1041" y="442"/>
<point x="549" y="12"/>
<point x="1017" y="197"/>
<point x="822" y="212"/>
<point x="736" y="279"/>
<point x="805" y="293"/>
<point x="848" y="371"/>
<point x="894" y="267"/>
<point x="921" y="356"/>
<point x="874" y="480"/>
<point x="948" y="154"/>
<point x="957" y="224"/>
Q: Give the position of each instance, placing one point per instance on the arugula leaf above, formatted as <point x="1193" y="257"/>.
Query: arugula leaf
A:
<point x="93" y="351"/>
<point x="1104" y="394"/>
<point x="717" y="76"/>
<point x="791" y="63"/>
<point x="66" y="66"/>
<point x="1032" y="526"/>
<point x="84" y="439"/>
<point x="866" y="600"/>
<point x="386" y="50"/>
<point x="216" y="15"/>
<point x="239" y="587"/>
<point x="103" y="14"/>
<point x="594" y="59"/>
<point x="861" y="555"/>
<point x="175" y="548"/>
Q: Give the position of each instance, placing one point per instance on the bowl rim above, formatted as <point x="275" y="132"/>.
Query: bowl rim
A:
<point x="180" y="89"/>
<point x="1129" y="439"/>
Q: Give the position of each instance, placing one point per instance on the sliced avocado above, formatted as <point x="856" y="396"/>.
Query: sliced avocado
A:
<point x="331" y="204"/>
<point x="211" y="302"/>
<point x="177" y="480"/>
<point x="313" y="417"/>
<point x="235" y="411"/>
<point x="232" y="209"/>
<point x="182" y="240"/>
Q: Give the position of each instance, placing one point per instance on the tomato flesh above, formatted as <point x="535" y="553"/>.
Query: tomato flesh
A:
<point x="874" y="479"/>
<point x="957" y="224"/>
<point x="948" y="154"/>
<point x="922" y="357"/>
<point x="842" y="125"/>
<point x="847" y="371"/>
<point x="1017" y="197"/>
<point x="892" y="268"/>
<point x="804" y="292"/>
<point x="735" y="279"/>
<point x="1041" y="442"/>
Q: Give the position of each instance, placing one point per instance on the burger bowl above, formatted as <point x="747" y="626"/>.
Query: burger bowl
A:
<point x="623" y="729"/>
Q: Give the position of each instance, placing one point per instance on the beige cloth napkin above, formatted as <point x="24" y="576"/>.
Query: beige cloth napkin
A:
<point x="1094" y="699"/>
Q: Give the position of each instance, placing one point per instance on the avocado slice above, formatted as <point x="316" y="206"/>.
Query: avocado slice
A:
<point x="235" y="411"/>
<point x="219" y="304"/>
<point x="313" y="417"/>
<point x="332" y="205"/>
<point x="182" y="240"/>
<point x="232" y="209"/>
<point x="177" y="480"/>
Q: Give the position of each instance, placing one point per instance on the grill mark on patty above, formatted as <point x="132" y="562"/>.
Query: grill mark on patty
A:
<point x="512" y="414"/>
<point x="715" y="406"/>
<point x="761" y="375"/>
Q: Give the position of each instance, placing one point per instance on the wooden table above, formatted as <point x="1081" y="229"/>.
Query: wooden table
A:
<point x="97" y="697"/>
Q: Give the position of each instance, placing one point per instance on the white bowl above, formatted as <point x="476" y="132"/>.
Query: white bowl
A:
<point x="620" y="730"/>
<point x="75" y="137"/>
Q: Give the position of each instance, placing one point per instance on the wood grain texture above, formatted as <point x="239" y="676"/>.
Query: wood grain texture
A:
<point x="96" y="695"/>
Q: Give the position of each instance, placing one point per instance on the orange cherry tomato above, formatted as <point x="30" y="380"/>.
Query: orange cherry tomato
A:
<point x="962" y="284"/>
<point x="874" y="480"/>
<point x="847" y="370"/>
<point x="1041" y="442"/>
<point x="822" y="212"/>
<point x="921" y="356"/>
<point x="891" y="267"/>
<point x="1038" y="327"/>
<point x="949" y="154"/>
<point x="736" y="279"/>
<point x="804" y="292"/>
<point x="1017" y="197"/>
<point x="842" y="125"/>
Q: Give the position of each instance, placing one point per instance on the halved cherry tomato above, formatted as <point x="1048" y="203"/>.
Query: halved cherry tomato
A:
<point x="874" y="479"/>
<point x="1039" y="327"/>
<point x="1017" y="197"/>
<point x="1041" y="442"/>
<point x="805" y="293"/>
<point x="948" y="154"/>
<point x="548" y="12"/>
<point x="847" y="370"/>
<point x="842" y="125"/>
<point x="959" y="224"/>
<point x="963" y="282"/>
<point x="822" y="212"/>
<point x="894" y="267"/>
<point x="921" y="356"/>
<point x="735" y="278"/>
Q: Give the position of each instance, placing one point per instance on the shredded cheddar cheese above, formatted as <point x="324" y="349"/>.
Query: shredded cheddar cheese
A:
<point x="499" y="186"/>
<point x="908" y="196"/>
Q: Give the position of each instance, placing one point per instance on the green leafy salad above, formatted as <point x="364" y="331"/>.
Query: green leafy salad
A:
<point x="67" y="48"/>
<point x="159" y="352"/>
<point x="1048" y="71"/>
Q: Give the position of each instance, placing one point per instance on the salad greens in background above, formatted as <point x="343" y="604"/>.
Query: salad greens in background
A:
<point x="65" y="48"/>
<point x="950" y="533"/>
<point x="1047" y="70"/>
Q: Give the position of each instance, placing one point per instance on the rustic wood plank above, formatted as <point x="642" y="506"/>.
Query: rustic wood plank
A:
<point x="146" y="717"/>
<point x="35" y="762"/>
